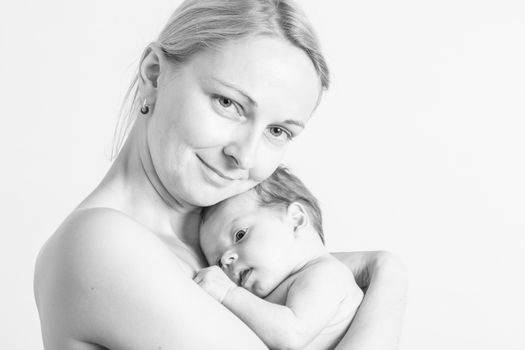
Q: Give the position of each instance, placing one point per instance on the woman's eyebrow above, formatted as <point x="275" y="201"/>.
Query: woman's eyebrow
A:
<point x="238" y="89"/>
<point x="294" y="122"/>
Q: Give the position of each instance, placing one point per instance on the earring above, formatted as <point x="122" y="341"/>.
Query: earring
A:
<point x="145" y="107"/>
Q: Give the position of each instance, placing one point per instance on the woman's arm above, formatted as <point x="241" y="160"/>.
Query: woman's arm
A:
<point x="105" y="280"/>
<point x="377" y="324"/>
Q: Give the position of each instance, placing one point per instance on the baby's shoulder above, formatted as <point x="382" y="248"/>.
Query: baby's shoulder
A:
<point x="317" y="272"/>
<point x="327" y="272"/>
<point x="324" y="280"/>
<point x="328" y="266"/>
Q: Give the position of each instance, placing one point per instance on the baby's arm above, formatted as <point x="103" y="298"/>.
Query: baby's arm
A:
<point x="312" y="301"/>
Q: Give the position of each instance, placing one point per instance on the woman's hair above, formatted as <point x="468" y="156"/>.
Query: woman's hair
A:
<point x="197" y="25"/>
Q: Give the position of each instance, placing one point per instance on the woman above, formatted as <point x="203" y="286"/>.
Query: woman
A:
<point x="218" y="99"/>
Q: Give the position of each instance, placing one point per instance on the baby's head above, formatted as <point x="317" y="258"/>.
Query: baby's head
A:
<point x="252" y="236"/>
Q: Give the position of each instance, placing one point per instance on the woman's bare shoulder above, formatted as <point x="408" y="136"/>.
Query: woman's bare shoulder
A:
<point x="93" y="245"/>
<point x="83" y="260"/>
<point x="88" y="237"/>
<point x="105" y="279"/>
<point x="96" y="221"/>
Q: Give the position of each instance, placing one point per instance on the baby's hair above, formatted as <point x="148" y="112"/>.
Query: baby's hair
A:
<point x="281" y="189"/>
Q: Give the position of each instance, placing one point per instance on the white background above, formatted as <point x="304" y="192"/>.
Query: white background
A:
<point x="418" y="147"/>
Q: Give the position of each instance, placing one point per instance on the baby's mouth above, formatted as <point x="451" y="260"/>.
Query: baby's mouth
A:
<point x="243" y="276"/>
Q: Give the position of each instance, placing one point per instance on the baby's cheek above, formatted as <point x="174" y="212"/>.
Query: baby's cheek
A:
<point x="205" y="244"/>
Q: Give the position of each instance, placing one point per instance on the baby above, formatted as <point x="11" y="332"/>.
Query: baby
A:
<point x="269" y="241"/>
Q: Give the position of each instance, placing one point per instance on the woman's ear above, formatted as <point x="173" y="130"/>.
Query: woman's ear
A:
<point x="150" y="69"/>
<point x="296" y="212"/>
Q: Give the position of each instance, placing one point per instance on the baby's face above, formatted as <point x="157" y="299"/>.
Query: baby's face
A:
<point x="252" y="244"/>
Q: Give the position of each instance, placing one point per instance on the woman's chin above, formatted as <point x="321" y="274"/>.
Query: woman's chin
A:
<point x="209" y="195"/>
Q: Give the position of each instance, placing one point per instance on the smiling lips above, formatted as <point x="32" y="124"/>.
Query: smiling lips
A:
<point x="216" y="171"/>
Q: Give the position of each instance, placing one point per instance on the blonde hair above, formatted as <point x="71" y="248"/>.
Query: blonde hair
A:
<point x="197" y="25"/>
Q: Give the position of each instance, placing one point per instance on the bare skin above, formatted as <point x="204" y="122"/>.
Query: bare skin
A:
<point x="117" y="273"/>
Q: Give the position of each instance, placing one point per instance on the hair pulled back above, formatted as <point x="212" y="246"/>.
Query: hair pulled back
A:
<point x="198" y="25"/>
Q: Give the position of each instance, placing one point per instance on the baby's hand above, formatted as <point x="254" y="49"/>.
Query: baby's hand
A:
<point x="214" y="281"/>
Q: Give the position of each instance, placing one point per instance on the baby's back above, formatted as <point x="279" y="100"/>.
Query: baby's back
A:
<point x="336" y="327"/>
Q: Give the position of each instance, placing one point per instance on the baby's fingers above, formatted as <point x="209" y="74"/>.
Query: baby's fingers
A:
<point x="200" y="276"/>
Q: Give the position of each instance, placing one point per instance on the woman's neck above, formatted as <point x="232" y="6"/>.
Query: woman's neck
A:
<point x="133" y="186"/>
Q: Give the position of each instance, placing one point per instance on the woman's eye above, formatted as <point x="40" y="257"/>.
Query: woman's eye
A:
<point x="239" y="235"/>
<point x="280" y="133"/>
<point x="225" y="102"/>
<point x="227" y="106"/>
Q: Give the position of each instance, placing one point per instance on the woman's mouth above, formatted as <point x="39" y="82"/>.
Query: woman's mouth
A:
<point x="215" y="170"/>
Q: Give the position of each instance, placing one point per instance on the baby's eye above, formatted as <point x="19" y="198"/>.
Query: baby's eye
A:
<point x="239" y="235"/>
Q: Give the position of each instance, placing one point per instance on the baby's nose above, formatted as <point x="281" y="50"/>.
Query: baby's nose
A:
<point x="227" y="259"/>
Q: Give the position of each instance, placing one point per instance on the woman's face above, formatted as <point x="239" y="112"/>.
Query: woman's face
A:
<point x="222" y="121"/>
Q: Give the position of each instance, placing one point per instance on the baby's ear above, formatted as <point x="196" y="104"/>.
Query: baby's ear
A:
<point x="296" y="212"/>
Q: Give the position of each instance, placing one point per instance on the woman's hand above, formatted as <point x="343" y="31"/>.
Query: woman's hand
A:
<point x="377" y="324"/>
<point x="364" y="264"/>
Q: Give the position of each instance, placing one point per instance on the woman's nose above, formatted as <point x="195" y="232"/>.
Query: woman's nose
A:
<point x="228" y="258"/>
<point x="243" y="151"/>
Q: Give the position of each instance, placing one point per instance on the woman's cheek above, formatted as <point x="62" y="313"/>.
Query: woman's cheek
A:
<point x="205" y="129"/>
<point x="267" y="161"/>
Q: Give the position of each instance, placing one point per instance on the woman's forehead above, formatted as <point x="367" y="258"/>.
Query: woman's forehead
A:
<point x="268" y="70"/>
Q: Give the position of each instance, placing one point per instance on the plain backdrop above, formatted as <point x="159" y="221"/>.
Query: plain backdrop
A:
<point x="417" y="148"/>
